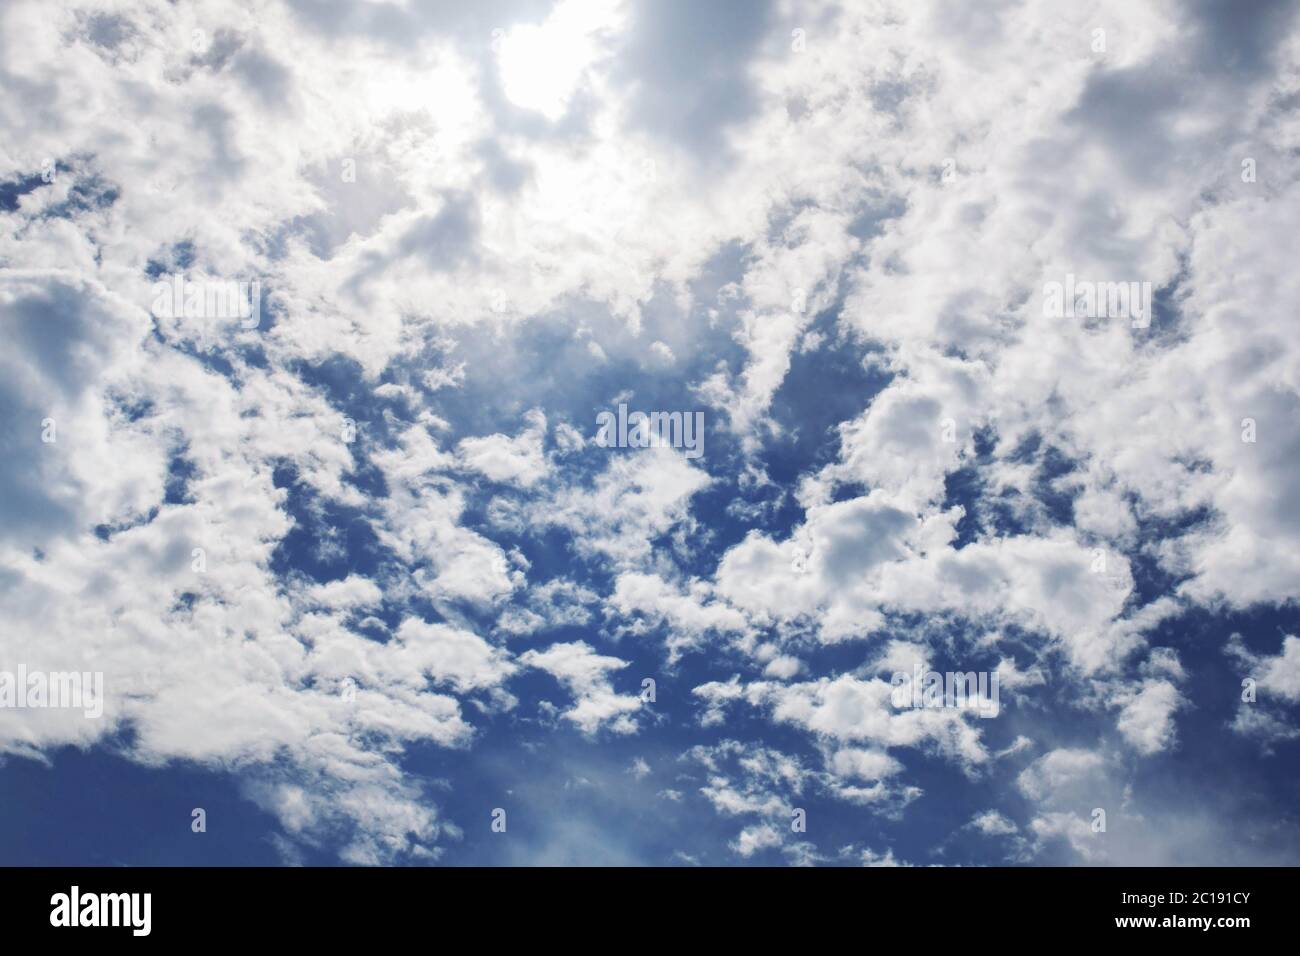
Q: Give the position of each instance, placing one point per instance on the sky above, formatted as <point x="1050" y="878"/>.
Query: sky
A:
<point x="313" y="314"/>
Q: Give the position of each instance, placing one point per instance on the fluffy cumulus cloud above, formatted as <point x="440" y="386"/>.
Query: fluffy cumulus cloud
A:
<point x="312" y="313"/>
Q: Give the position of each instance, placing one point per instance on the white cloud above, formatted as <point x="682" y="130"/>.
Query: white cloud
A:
<point x="992" y="823"/>
<point x="520" y="460"/>
<point x="584" y="673"/>
<point x="1146" y="720"/>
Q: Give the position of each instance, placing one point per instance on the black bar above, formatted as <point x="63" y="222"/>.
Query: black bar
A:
<point x="950" y="906"/>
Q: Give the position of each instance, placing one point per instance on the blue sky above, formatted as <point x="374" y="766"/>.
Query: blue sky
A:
<point x="356" y="573"/>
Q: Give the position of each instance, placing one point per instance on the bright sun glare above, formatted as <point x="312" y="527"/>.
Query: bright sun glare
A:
<point x="540" y="65"/>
